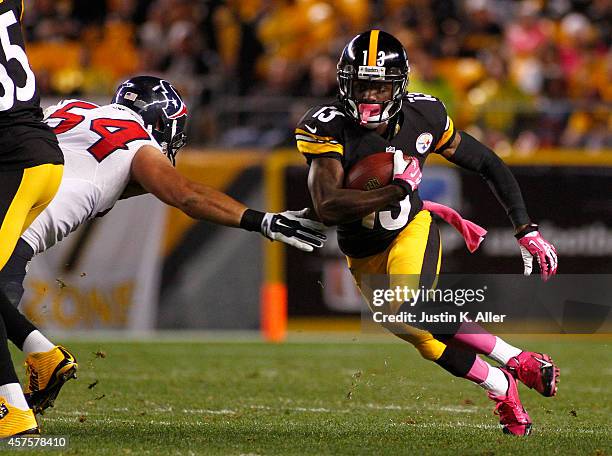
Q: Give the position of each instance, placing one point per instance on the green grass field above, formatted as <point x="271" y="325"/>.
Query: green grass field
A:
<point x="299" y="398"/>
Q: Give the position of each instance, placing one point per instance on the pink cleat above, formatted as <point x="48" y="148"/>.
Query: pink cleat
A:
<point x="512" y="415"/>
<point x="535" y="370"/>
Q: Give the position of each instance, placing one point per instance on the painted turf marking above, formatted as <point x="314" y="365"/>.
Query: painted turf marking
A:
<point x="209" y="412"/>
<point x="458" y="409"/>
<point x="297" y="409"/>
<point x="188" y="411"/>
<point x="436" y="425"/>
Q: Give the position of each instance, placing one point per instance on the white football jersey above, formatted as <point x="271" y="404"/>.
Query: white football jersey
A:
<point x="99" y="143"/>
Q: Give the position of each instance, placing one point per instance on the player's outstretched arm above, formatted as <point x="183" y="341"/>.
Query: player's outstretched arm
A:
<point x="156" y="175"/>
<point x="469" y="153"/>
<point x="335" y="204"/>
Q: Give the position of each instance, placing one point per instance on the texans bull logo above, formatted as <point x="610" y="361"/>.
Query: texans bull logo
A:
<point x="175" y="107"/>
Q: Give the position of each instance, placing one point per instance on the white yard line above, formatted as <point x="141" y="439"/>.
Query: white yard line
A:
<point x="425" y="425"/>
<point x="119" y="416"/>
<point x="209" y="412"/>
<point x="456" y="409"/>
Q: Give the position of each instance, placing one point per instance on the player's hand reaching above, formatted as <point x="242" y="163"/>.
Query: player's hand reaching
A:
<point x="295" y="229"/>
<point x="532" y="245"/>
<point x="406" y="173"/>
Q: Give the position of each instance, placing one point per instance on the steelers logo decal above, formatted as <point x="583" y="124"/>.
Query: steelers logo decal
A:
<point x="423" y="142"/>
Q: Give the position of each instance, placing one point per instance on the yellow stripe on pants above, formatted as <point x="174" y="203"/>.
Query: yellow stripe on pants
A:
<point x="38" y="186"/>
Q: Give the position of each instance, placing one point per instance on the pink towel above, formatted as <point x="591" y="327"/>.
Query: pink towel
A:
<point x="472" y="233"/>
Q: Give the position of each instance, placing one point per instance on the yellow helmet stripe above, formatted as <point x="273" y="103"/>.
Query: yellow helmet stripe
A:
<point x="373" y="49"/>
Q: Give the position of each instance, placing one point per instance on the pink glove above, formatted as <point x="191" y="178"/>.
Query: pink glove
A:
<point x="406" y="174"/>
<point x="534" y="245"/>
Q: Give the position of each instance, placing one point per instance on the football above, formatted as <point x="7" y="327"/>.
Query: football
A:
<point x="372" y="172"/>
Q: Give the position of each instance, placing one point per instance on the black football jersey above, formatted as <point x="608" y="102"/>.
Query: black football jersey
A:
<point x="20" y="112"/>
<point x="19" y="99"/>
<point x="422" y="127"/>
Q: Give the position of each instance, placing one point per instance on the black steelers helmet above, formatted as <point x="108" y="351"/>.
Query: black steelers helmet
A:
<point x="373" y="58"/>
<point x="161" y="107"/>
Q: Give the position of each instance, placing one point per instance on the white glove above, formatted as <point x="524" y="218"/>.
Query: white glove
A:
<point x="293" y="228"/>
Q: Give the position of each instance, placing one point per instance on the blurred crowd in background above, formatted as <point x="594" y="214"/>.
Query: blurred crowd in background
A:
<point x="520" y="75"/>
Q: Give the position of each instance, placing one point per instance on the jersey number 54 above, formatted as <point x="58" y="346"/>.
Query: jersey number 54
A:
<point x="115" y="134"/>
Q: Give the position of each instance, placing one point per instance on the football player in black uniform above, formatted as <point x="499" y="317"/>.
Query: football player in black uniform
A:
<point x="387" y="231"/>
<point x="31" y="166"/>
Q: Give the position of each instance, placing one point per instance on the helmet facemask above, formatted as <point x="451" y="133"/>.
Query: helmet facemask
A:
<point x="170" y="135"/>
<point x="372" y="111"/>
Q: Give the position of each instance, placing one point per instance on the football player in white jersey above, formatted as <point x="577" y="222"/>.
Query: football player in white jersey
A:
<point x="112" y="152"/>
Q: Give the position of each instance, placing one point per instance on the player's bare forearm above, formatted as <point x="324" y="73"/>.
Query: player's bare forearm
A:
<point x="335" y="205"/>
<point x="205" y="203"/>
<point x="345" y="205"/>
<point x="155" y="174"/>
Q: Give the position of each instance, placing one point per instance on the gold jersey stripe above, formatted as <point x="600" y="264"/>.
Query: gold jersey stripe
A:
<point x="299" y="131"/>
<point x="373" y="49"/>
<point x="313" y="148"/>
<point x="22" y="9"/>
<point x="312" y="140"/>
<point x="448" y="133"/>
